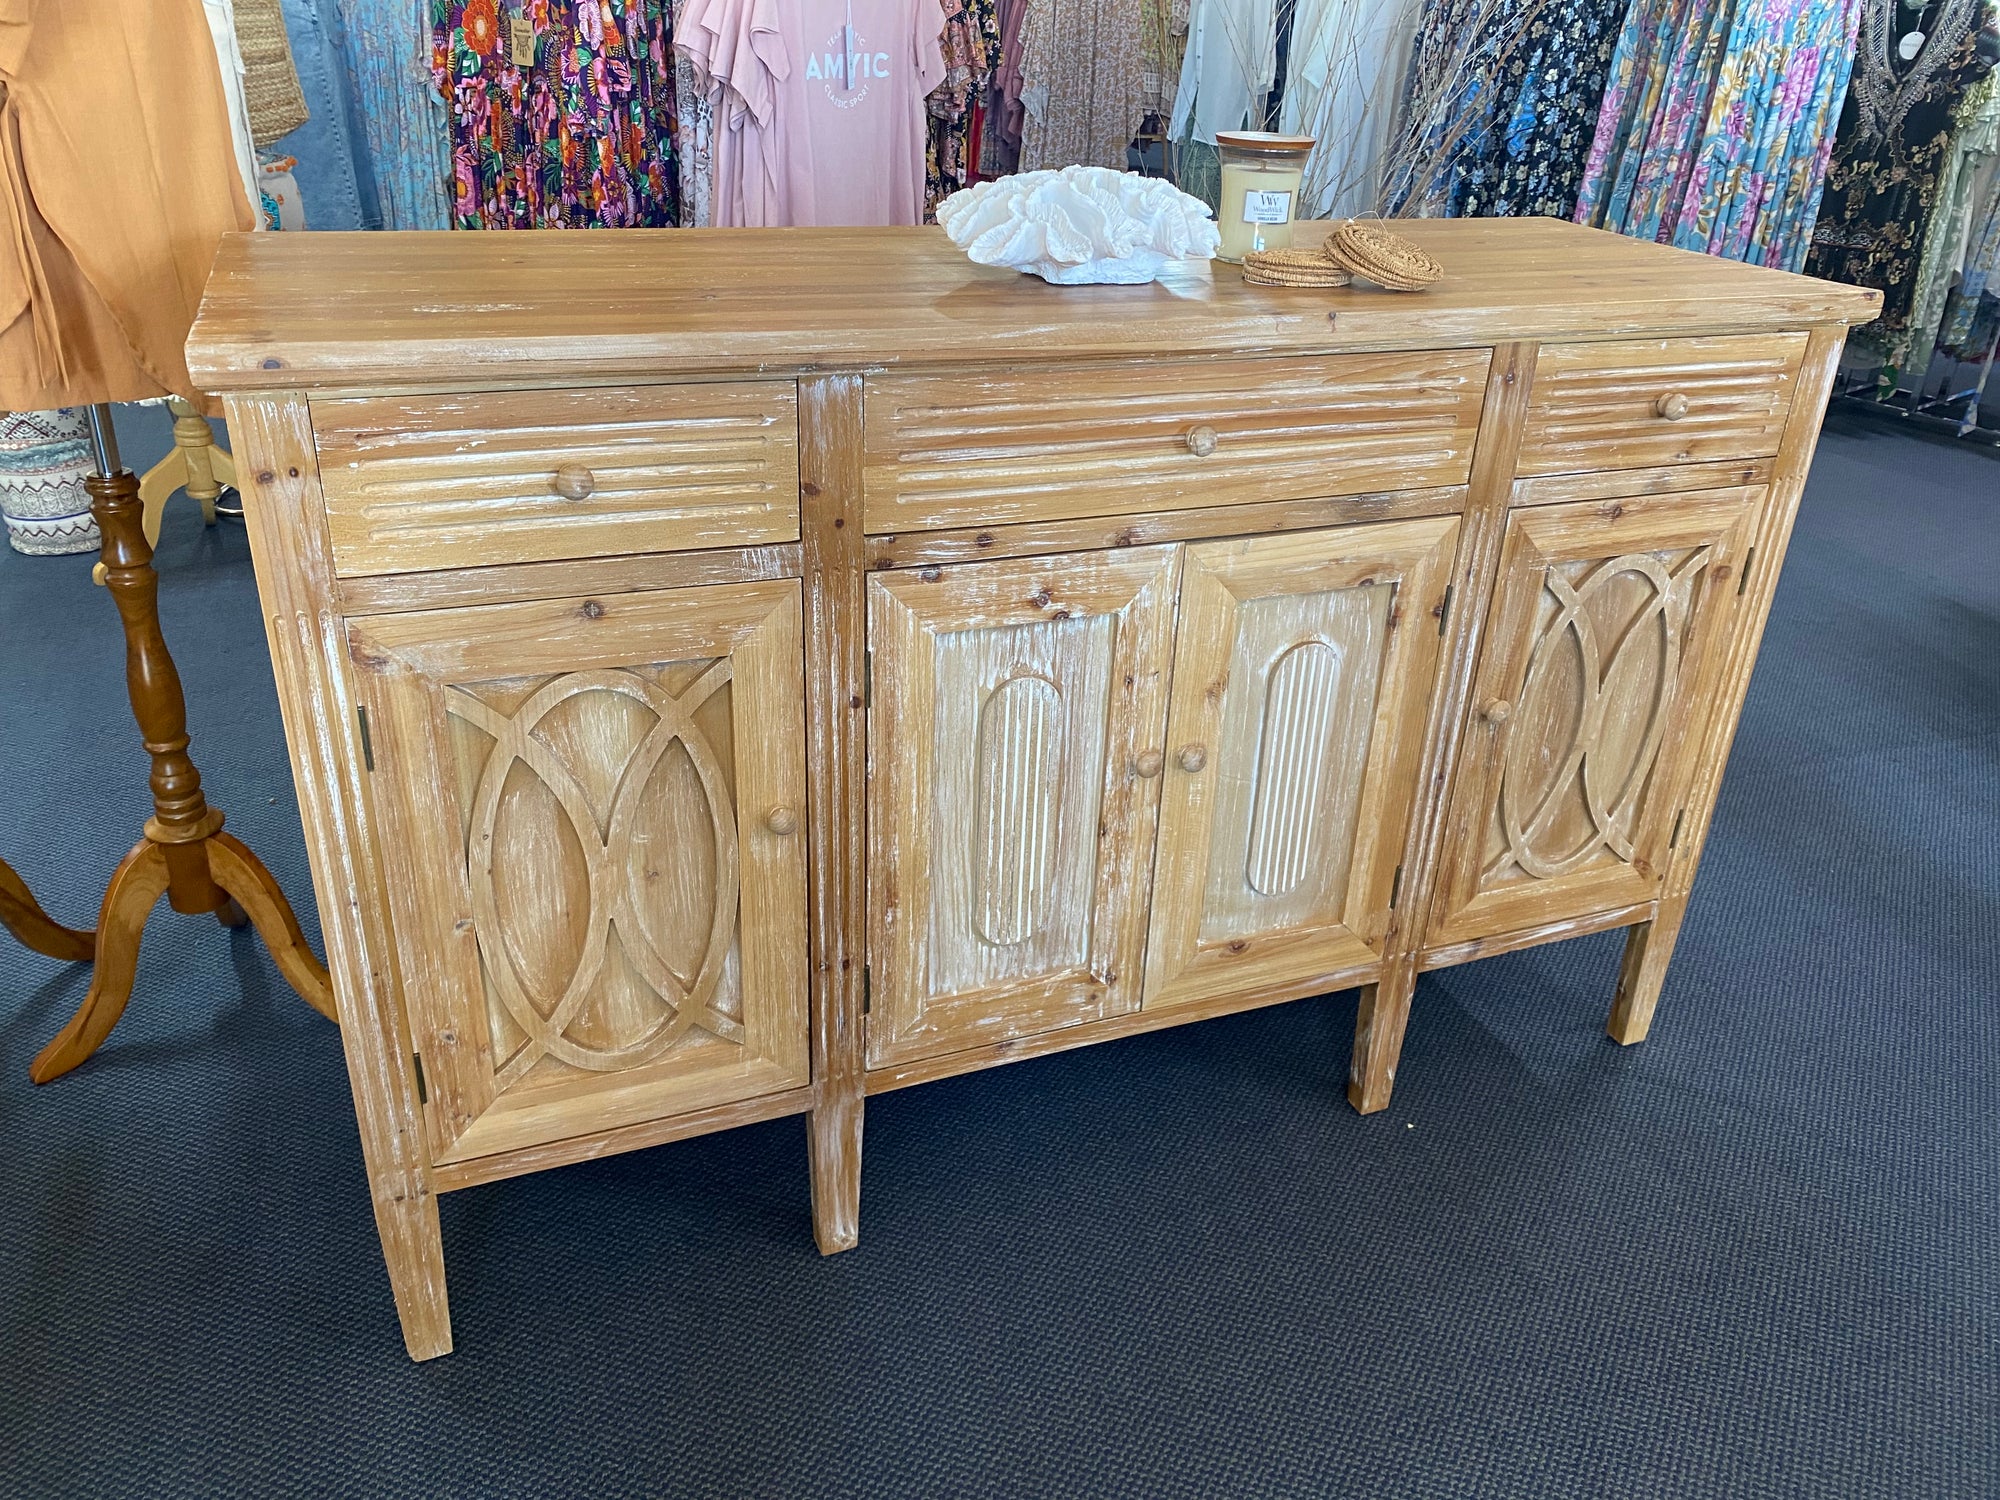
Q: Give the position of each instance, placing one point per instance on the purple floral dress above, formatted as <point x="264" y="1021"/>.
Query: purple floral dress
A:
<point x="562" y="112"/>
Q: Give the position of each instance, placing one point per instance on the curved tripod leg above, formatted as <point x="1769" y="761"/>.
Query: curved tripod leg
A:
<point x="22" y="915"/>
<point x="130" y="898"/>
<point x="243" y="875"/>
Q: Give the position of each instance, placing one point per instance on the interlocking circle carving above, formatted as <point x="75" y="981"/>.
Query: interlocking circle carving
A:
<point x="1611" y="791"/>
<point x="545" y="1018"/>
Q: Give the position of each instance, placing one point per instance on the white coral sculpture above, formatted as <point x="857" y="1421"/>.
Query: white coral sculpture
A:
<point x="1080" y="225"/>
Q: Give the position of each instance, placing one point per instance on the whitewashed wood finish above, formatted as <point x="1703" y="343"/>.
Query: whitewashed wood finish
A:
<point x="283" y="514"/>
<point x="1042" y="445"/>
<point x="1598" y="677"/>
<point x="1607" y="405"/>
<point x="1302" y="672"/>
<point x="480" y="478"/>
<point x="1011" y="833"/>
<point x="594" y="805"/>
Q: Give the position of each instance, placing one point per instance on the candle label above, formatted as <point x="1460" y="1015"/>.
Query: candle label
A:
<point x="1267" y="208"/>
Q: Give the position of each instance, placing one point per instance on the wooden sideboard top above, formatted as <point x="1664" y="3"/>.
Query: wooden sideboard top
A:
<point x="373" y="311"/>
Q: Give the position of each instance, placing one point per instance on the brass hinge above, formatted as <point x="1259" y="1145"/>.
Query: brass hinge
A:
<point x="867" y="990"/>
<point x="367" y="744"/>
<point x="423" y="1087"/>
<point x="1444" y="611"/>
<point x="868" y="678"/>
<point x="1396" y="888"/>
<point x="1674" y="838"/>
<point x="1743" y="578"/>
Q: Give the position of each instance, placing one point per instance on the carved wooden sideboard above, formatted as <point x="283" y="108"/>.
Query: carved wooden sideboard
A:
<point x="731" y="674"/>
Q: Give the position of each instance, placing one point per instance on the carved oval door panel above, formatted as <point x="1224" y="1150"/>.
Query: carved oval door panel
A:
<point x="596" y="923"/>
<point x="1010" y="826"/>
<point x="1303" y="672"/>
<point x="1594" y="690"/>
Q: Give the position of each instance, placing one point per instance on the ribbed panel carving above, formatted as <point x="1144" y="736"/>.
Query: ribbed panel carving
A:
<point x="978" y="450"/>
<point x="669" y="469"/>
<point x="1291" y="759"/>
<point x="1019" y="792"/>
<point x="1598" y="406"/>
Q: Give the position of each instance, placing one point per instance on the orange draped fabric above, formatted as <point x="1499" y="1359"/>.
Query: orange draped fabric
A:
<point x="117" y="182"/>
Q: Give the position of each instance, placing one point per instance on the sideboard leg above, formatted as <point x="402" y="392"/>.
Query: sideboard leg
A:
<point x="1649" y="947"/>
<point x="1378" y="1035"/>
<point x="834" y="1145"/>
<point x="406" y="1216"/>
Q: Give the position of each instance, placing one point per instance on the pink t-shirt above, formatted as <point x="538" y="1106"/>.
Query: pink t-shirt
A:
<point x="819" y="106"/>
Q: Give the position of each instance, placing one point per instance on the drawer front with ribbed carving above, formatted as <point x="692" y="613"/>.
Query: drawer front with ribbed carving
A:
<point x="1642" y="403"/>
<point x="416" y="483"/>
<point x="991" y="449"/>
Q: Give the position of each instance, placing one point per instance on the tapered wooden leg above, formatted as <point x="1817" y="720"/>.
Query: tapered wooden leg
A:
<point x="406" y="1217"/>
<point x="243" y="875"/>
<point x="1649" y="947"/>
<point x="22" y="915"/>
<point x="834" y="1146"/>
<point x="135" y="889"/>
<point x="1378" y="1035"/>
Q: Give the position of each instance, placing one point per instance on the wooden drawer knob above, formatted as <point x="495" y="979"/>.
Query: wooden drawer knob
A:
<point x="782" y="821"/>
<point x="1673" y="406"/>
<point x="575" y="482"/>
<point x="1202" y="441"/>
<point x="1193" y="758"/>
<point x="1499" y="711"/>
<point x="1151" y="763"/>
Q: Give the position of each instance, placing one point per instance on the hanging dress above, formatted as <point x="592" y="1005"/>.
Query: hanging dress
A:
<point x="971" y="47"/>
<point x="1344" y="75"/>
<point x="390" y="57"/>
<point x="1894" y="149"/>
<point x="1081" y="82"/>
<point x="562" y="112"/>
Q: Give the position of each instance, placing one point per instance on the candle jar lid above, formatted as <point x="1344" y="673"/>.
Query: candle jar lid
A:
<point x="1263" y="143"/>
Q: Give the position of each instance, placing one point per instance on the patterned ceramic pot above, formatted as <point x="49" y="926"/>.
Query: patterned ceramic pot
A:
<point x="44" y="456"/>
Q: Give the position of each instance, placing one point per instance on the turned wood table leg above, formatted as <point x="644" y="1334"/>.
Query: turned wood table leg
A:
<point x="1649" y="948"/>
<point x="185" y="856"/>
<point x="22" y="915"/>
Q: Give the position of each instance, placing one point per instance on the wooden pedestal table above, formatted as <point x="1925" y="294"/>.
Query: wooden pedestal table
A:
<point x="185" y="855"/>
<point x="736" y="675"/>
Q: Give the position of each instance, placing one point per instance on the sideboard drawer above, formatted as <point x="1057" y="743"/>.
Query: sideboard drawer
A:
<point x="990" y="449"/>
<point x="416" y="483"/>
<point x="1643" y="403"/>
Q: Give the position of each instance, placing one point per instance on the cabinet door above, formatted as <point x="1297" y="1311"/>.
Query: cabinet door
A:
<point x="1596" y="681"/>
<point x="592" y="816"/>
<point x="1011" y="834"/>
<point x="1302" y="675"/>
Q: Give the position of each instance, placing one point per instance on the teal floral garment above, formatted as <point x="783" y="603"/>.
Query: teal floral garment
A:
<point x="562" y="112"/>
<point x="387" y="46"/>
<point x="1718" y="122"/>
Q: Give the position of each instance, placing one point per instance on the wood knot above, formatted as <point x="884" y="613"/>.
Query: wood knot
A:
<point x="265" y="476"/>
<point x="1240" y="945"/>
<point x="1041" y="598"/>
<point x="1613" y="512"/>
<point x="931" y="575"/>
<point x="984" y="539"/>
<point x="810" y="490"/>
<point x="591" y="610"/>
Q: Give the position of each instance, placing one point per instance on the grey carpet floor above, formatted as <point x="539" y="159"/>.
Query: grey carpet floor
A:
<point x="1759" y="1256"/>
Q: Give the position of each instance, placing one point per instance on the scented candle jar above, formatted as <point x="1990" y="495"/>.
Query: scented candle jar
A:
<point x="1261" y="173"/>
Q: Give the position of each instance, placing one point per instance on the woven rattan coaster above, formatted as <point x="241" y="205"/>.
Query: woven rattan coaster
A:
<point x="1386" y="259"/>
<point x="1292" y="268"/>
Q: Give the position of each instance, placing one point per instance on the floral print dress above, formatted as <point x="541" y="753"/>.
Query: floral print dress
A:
<point x="1717" y="124"/>
<point x="1527" y="156"/>
<point x="562" y="112"/>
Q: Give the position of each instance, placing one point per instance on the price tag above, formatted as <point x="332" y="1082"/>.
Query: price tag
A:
<point x="1267" y="208"/>
<point x="521" y="37"/>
